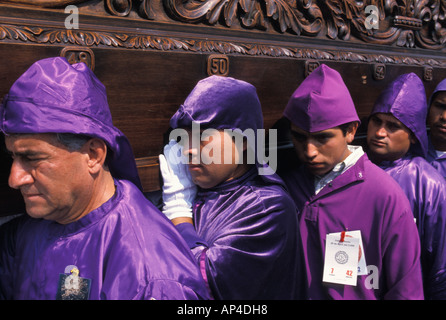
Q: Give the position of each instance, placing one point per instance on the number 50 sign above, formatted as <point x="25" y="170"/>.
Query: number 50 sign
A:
<point x="218" y="64"/>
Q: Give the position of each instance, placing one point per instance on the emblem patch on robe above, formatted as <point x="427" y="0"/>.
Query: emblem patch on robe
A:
<point x="71" y="286"/>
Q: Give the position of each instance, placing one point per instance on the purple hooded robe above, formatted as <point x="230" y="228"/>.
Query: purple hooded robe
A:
<point x="405" y="99"/>
<point x="438" y="162"/>
<point x="362" y="198"/>
<point x="245" y="235"/>
<point x="126" y="247"/>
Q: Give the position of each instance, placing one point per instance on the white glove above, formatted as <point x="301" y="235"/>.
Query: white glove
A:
<point x="178" y="189"/>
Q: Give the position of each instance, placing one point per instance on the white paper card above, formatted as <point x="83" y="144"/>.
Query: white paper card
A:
<point x="341" y="259"/>
<point x="362" y="264"/>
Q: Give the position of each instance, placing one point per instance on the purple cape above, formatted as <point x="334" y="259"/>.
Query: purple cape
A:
<point x="426" y="191"/>
<point x="363" y="198"/>
<point x="126" y="247"/>
<point x="54" y="96"/>
<point x="246" y="238"/>
<point x="405" y="99"/>
<point x="439" y="163"/>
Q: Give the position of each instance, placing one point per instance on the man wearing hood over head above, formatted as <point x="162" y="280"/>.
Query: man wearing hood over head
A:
<point x="235" y="214"/>
<point x="397" y="143"/>
<point x="345" y="201"/>
<point x="436" y="121"/>
<point x="89" y="232"/>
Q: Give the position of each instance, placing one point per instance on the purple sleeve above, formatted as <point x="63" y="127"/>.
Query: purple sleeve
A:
<point x="426" y="191"/>
<point x="187" y="231"/>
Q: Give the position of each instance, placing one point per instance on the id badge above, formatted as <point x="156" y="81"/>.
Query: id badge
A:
<point x="341" y="259"/>
<point x="362" y="264"/>
<point x="71" y="286"/>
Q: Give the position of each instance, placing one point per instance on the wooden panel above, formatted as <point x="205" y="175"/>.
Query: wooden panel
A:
<point x="150" y="53"/>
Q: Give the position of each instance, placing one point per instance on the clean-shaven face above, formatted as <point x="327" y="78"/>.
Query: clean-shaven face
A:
<point x="388" y="139"/>
<point x="53" y="180"/>
<point x="321" y="151"/>
<point x="207" y="163"/>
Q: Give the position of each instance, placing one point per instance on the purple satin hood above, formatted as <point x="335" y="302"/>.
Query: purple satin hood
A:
<point x="321" y="102"/>
<point x="405" y="99"/>
<point x="53" y="96"/>
<point x="221" y="103"/>
<point x="224" y="103"/>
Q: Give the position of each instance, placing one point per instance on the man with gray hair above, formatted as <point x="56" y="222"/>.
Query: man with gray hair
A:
<point x="89" y="232"/>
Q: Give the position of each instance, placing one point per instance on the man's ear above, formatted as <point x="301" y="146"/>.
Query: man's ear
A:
<point x="351" y="131"/>
<point x="96" y="149"/>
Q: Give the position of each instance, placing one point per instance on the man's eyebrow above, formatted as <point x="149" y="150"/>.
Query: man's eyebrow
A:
<point x="26" y="153"/>
<point x="322" y="134"/>
<point x="439" y="103"/>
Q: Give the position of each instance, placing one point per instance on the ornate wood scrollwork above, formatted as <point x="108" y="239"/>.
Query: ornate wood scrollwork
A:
<point x="135" y="41"/>
<point x="301" y="17"/>
<point x="47" y="3"/>
<point x="119" y="7"/>
<point x="403" y="23"/>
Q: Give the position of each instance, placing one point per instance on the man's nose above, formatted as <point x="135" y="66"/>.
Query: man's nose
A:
<point x="19" y="175"/>
<point x="381" y="132"/>
<point x="310" y="150"/>
<point x="192" y="153"/>
<point x="443" y="115"/>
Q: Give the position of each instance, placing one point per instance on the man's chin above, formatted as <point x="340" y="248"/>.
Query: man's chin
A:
<point x="37" y="213"/>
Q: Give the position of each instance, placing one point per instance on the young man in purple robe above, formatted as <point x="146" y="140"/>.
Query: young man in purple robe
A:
<point x="357" y="229"/>
<point x="436" y="121"/>
<point x="89" y="232"/>
<point x="234" y="213"/>
<point x="397" y="143"/>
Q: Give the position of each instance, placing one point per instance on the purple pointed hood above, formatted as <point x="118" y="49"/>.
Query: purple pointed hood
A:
<point x="405" y="99"/>
<point x="321" y="102"/>
<point x="53" y="96"/>
<point x="440" y="87"/>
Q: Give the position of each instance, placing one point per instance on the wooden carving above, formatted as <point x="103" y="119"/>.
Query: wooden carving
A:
<point x="403" y="23"/>
<point x="135" y="41"/>
<point x="301" y="17"/>
<point x="406" y="23"/>
<point x="47" y="3"/>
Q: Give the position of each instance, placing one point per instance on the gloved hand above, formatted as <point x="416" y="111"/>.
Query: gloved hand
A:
<point x="178" y="189"/>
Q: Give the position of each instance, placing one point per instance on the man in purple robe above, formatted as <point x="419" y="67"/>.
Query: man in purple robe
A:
<point x="236" y="216"/>
<point x="89" y="232"/>
<point x="397" y="143"/>
<point x="436" y="121"/>
<point x="346" y="201"/>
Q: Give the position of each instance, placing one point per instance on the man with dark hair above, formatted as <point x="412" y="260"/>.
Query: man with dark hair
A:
<point x="436" y="120"/>
<point x="235" y="214"/>
<point x="397" y="143"/>
<point x="353" y="217"/>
